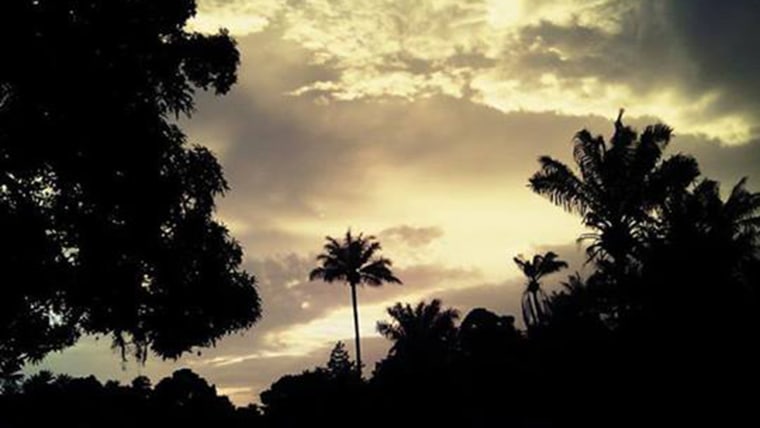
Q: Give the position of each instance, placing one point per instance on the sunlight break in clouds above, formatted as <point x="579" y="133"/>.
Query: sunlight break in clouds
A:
<point x="240" y="17"/>
<point x="502" y="53"/>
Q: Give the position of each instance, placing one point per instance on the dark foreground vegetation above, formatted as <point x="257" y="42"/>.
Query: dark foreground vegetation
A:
<point x="663" y="332"/>
<point x="122" y="241"/>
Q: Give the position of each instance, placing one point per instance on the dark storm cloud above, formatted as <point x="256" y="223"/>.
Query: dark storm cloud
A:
<point x="639" y="51"/>
<point x="726" y="164"/>
<point x="722" y="38"/>
<point x="702" y="48"/>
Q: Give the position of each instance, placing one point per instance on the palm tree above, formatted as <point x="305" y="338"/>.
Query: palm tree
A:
<point x="355" y="261"/>
<point x="534" y="300"/>
<point x="703" y="213"/>
<point x="422" y="331"/>
<point x="705" y="260"/>
<point x="702" y="230"/>
<point x="620" y="188"/>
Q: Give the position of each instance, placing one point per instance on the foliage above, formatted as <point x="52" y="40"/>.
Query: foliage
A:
<point x="106" y="211"/>
<point x="621" y="187"/>
<point x="330" y="395"/>
<point x="340" y="366"/>
<point x="184" y="399"/>
<point x="355" y="261"/>
<point x="420" y="332"/>
<point x="535" y="307"/>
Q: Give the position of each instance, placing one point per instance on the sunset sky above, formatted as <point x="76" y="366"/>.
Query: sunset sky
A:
<point x="420" y="121"/>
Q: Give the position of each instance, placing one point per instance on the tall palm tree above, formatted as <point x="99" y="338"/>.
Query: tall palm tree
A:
<point x="534" y="300"/>
<point x="354" y="261"/>
<point x="620" y="187"/>
<point x="424" y="330"/>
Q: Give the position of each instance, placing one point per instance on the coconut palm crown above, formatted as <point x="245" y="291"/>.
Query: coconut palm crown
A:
<point x="355" y="261"/>
<point x="534" y="302"/>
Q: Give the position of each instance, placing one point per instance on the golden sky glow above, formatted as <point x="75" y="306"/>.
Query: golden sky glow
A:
<point x="415" y="48"/>
<point x="420" y="121"/>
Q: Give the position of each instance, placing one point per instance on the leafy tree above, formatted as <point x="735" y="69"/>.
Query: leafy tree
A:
<point x="534" y="301"/>
<point x="621" y="186"/>
<point x="106" y="211"/>
<point x="340" y="365"/>
<point x="325" y="396"/>
<point x="355" y="261"/>
<point x="484" y="335"/>
<point x="184" y="399"/>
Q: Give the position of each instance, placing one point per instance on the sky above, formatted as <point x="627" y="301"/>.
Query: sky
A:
<point x="420" y="122"/>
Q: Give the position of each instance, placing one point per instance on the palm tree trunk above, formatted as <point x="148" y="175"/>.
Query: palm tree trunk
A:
<point x="356" y="331"/>
<point x="539" y="311"/>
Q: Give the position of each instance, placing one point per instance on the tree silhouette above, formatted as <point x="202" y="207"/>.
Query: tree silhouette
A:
<point x="354" y="261"/>
<point x="340" y="365"/>
<point x="484" y="335"/>
<point x="330" y="395"/>
<point x="703" y="213"/>
<point x="184" y="399"/>
<point x="106" y="212"/>
<point x="706" y="242"/>
<point x="420" y="332"/>
<point x="621" y="184"/>
<point x="416" y="378"/>
<point x="534" y="301"/>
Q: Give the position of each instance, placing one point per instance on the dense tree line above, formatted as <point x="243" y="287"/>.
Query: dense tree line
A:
<point x="183" y="399"/>
<point x="663" y="331"/>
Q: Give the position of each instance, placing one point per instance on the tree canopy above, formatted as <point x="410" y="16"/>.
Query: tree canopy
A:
<point x="621" y="185"/>
<point x="106" y="210"/>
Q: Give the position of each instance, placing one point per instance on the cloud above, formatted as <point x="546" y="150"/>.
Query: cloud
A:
<point x="284" y="288"/>
<point x="413" y="236"/>
<point x="239" y="17"/>
<point x="723" y="56"/>
<point x="572" y="57"/>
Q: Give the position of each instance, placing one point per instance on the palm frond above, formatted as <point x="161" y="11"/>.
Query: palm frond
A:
<point x="674" y="175"/>
<point x="548" y="264"/>
<point x="742" y="204"/>
<point x="558" y="183"/>
<point x="317" y="273"/>
<point x="589" y="155"/>
<point x="378" y="272"/>
<point x="369" y="248"/>
<point x="648" y="151"/>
